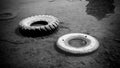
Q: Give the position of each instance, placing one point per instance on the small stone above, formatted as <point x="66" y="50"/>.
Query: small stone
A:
<point x="82" y="63"/>
<point x="117" y="40"/>
<point x="51" y="0"/>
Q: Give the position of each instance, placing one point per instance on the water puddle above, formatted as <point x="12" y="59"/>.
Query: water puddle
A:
<point x="100" y="8"/>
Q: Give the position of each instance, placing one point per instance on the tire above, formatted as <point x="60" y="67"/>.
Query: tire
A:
<point x="92" y="43"/>
<point x="7" y="14"/>
<point x="52" y="24"/>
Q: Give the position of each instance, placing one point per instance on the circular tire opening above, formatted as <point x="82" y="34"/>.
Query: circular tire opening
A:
<point x="39" y="23"/>
<point x="77" y="42"/>
<point x="5" y="14"/>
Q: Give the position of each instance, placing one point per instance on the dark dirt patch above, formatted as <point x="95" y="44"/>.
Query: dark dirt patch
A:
<point x="100" y="8"/>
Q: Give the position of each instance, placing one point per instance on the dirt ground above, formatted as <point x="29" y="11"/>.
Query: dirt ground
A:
<point x="98" y="18"/>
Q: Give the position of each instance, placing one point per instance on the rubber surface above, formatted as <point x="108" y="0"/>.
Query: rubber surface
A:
<point x="52" y="22"/>
<point x="92" y="43"/>
<point x="28" y="30"/>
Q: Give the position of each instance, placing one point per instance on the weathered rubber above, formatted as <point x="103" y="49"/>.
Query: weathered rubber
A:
<point x="52" y="23"/>
<point x="26" y="27"/>
<point x="92" y="43"/>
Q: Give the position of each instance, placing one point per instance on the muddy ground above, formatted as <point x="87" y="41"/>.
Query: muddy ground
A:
<point x="98" y="18"/>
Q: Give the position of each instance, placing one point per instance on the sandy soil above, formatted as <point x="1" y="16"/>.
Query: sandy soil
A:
<point x="98" y="18"/>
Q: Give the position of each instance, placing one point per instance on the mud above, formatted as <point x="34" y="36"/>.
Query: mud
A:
<point x="98" y="18"/>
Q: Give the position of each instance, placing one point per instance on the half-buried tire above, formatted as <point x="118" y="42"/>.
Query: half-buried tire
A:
<point x="38" y="25"/>
<point x="7" y="14"/>
<point x="91" y="44"/>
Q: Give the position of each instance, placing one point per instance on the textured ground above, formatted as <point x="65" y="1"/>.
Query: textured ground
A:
<point x="98" y="18"/>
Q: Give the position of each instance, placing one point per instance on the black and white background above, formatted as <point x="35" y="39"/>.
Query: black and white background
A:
<point x="98" y="18"/>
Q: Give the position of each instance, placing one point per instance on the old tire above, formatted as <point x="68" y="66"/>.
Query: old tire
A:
<point x="7" y="14"/>
<point x="49" y="24"/>
<point x="92" y="43"/>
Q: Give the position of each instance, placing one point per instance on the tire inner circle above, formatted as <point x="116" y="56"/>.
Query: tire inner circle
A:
<point x="39" y="23"/>
<point x="5" y="14"/>
<point x="78" y="42"/>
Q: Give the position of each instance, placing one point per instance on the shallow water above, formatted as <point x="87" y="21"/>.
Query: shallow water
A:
<point x="96" y="18"/>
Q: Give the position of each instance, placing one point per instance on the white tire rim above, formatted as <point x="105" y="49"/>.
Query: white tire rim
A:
<point x="51" y="20"/>
<point x="91" y="46"/>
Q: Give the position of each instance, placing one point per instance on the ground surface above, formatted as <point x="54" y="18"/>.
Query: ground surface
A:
<point x="98" y="18"/>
